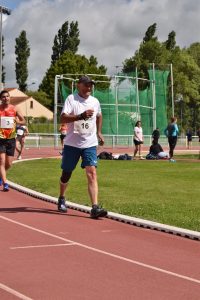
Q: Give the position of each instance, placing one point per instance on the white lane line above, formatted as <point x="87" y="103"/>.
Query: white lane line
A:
<point x="122" y="258"/>
<point x="14" y="292"/>
<point x="41" y="246"/>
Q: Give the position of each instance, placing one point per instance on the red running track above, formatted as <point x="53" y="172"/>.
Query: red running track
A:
<point x="48" y="255"/>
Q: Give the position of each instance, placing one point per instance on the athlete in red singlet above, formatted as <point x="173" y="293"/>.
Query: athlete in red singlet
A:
<point x="9" y="115"/>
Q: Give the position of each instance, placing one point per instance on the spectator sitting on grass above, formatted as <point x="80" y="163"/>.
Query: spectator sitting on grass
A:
<point x="156" y="134"/>
<point x="156" y="151"/>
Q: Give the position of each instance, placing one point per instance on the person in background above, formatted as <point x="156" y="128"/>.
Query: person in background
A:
<point x="22" y="132"/>
<point x="156" y="135"/>
<point x="157" y="151"/>
<point x="63" y="132"/>
<point x="171" y="132"/>
<point x="138" y="139"/>
<point x="189" y="138"/>
<point x="198" y="134"/>
<point x="9" y="114"/>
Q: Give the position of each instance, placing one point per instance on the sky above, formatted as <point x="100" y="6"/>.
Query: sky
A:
<point x="111" y="30"/>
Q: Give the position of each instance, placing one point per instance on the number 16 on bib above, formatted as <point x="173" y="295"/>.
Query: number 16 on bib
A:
<point x="84" y="127"/>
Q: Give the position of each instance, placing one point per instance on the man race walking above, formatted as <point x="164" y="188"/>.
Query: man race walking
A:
<point x="82" y="113"/>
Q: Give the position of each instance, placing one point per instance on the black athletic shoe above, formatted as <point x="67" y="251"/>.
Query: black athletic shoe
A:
<point x="62" y="205"/>
<point x="5" y="187"/>
<point x="98" y="212"/>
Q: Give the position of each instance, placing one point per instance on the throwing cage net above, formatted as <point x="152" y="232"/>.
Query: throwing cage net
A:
<point x="123" y="101"/>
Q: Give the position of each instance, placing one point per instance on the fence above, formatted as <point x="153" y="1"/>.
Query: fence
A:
<point x="40" y="140"/>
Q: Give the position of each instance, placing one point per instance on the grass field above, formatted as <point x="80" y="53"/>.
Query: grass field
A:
<point x="155" y="190"/>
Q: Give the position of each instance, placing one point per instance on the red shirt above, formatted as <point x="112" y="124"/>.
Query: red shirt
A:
<point x="10" y="111"/>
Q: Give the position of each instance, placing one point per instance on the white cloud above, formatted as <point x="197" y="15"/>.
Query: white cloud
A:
<point x="110" y="30"/>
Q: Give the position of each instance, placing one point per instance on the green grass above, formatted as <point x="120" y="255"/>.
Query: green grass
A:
<point x="155" y="190"/>
<point x="187" y="156"/>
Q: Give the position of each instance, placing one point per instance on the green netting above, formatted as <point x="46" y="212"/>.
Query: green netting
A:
<point x="122" y="107"/>
<point x="146" y="110"/>
<point x="161" y="97"/>
<point x="65" y="91"/>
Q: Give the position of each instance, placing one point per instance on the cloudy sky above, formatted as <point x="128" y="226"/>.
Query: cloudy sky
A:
<point x="111" y="30"/>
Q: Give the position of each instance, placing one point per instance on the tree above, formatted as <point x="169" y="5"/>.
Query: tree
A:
<point x="194" y="51"/>
<point x="149" y="35"/>
<point x="66" y="39"/>
<point x="187" y="83"/>
<point x="150" y="52"/>
<point x="69" y="63"/>
<point x="73" y="41"/>
<point x="22" y="52"/>
<point x="171" y="41"/>
<point x="186" y="72"/>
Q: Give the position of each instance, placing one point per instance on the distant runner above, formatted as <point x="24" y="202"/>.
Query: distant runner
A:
<point x="22" y="132"/>
<point x="9" y="115"/>
<point x="63" y="132"/>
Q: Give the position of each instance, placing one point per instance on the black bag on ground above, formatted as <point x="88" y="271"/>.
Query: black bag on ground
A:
<point x="125" y="157"/>
<point x="105" y="155"/>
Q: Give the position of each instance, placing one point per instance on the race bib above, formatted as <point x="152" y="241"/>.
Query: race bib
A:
<point x="84" y="127"/>
<point x="20" y="132"/>
<point x="64" y="132"/>
<point x="6" y="122"/>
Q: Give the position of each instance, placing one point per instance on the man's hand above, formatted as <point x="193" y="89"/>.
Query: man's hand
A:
<point x="87" y="114"/>
<point x="101" y="139"/>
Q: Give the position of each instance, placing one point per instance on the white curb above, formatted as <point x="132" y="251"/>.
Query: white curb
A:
<point x="194" y="235"/>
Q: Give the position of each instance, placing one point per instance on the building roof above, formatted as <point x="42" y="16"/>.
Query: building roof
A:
<point x="9" y="89"/>
<point x="18" y="100"/>
<point x="27" y="104"/>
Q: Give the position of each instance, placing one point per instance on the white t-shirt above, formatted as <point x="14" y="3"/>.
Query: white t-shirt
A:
<point x="138" y="134"/>
<point x="81" y="134"/>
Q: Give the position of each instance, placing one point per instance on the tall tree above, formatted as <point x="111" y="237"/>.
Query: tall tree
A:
<point x="66" y="39"/>
<point x="171" y="41"/>
<point x="73" y="41"/>
<point x="150" y="52"/>
<point x="69" y="63"/>
<point x="149" y="35"/>
<point x="194" y="51"/>
<point x="22" y="52"/>
<point x="186" y="71"/>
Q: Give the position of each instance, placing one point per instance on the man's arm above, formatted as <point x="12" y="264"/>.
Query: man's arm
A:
<point x="69" y="118"/>
<point x="99" y="129"/>
<point x="66" y="118"/>
<point x="20" y="118"/>
<point x="26" y="131"/>
<point x="176" y="128"/>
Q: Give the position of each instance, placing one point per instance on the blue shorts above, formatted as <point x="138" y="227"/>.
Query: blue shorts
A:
<point x="71" y="156"/>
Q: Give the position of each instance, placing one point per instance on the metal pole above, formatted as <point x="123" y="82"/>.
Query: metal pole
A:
<point x="55" y="110"/>
<point x="1" y="85"/>
<point x="172" y="88"/>
<point x="7" y="11"/>
<point x="116" y="103"/>
<point x="137" y="96"/>
<point x="154" y="98"/>
<point x="181" y="103"/>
